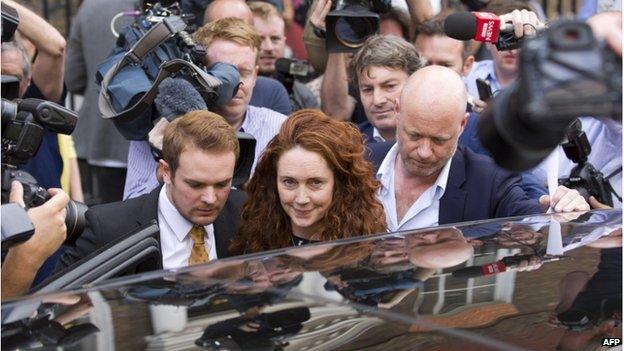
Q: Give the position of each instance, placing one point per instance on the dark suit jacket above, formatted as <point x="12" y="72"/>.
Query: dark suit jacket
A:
<point x="366" y="128"/>
<point x="108" y="222"/>
<point x="476" y="188"/>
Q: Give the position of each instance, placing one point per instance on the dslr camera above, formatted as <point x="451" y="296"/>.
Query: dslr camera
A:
<point x="584" y="177"/>
<point x="23" y="123"/>
<point x="564" y="73"/>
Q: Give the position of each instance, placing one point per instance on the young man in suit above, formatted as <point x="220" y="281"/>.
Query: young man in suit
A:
<point x="427" y="180"/>
<point x="197" y="213"/>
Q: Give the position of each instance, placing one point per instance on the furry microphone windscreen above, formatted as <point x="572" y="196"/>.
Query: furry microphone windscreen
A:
<point x="177" y="96"/>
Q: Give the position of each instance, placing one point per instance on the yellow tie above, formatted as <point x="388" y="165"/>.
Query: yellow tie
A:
<point x="198" y="253"/>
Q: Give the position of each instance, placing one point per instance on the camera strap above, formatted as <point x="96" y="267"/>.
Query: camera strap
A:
<point x="156" y="36"/>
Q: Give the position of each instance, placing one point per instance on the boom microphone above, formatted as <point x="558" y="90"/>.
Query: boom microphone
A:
<point x="177" y="96"/>
<point x="481" y="26"/>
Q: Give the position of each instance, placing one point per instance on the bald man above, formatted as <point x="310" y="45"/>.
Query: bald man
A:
<point x="219" y="9"/>
<point x="427" y="180"/>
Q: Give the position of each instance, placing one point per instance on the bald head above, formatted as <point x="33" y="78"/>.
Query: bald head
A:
<point x="431" y="116"/>
<point x="435" y="88"/>
<point x="219" y="9"/>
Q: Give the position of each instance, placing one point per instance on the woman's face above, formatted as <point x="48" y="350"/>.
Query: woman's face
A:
<point x="305" y="185"/>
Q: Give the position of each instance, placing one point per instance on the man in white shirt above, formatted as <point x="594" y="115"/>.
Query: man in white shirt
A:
<point x="428" y="180"/>
<point x="196" y="210"/>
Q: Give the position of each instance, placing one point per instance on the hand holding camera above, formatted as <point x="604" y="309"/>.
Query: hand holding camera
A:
<point x="24" y="260"/>
<point x="49" y="222"/>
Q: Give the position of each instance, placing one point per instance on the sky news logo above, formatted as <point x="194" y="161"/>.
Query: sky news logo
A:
<point x="611" y="342"/>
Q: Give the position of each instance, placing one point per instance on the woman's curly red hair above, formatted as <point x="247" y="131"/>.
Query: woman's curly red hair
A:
<point x="354" y="210"/>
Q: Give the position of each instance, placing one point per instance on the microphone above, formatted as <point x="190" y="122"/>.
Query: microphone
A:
<point x="177" y="96"/>
<point x="498" y="266"/>
<point x="481" y="26"/>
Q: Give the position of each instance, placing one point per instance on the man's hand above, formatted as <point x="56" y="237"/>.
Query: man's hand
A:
<point x="49" y="222"/>
<point x="317" y="18"/>
<point x="24" y="260"/>
<point x="564" y="200"/>
<point x="595" y="204"/>
<point x="524" y="22"/>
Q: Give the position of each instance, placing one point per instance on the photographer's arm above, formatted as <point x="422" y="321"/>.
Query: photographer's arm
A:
<point x="420" y="11"/>
<point x="24" y="260"/>
<point x="48" y="70"/>
<point x="335" y="99"/>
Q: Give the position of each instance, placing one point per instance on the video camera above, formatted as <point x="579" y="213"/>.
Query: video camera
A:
<point x="155" y="47"/>
<point x="350" y="22"/>
<point x="23" y="124"/>
<point x="564" y="73"/>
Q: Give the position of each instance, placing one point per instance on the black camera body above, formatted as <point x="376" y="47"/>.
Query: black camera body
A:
<point x="352" y="21"/>
<point x="23" y="126"/>
<point x="584" y="177"/>
<point x="567" y="72"/>
<point x="10" y="20"/>
<point x="564" y="73"/>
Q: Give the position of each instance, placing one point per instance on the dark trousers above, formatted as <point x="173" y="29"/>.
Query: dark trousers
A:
<point x="101" y="185"/>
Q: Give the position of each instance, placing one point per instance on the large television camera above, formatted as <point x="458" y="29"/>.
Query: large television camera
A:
<point x="350" y="22"/>
<point x="157" y="46"/>
<point x="564" y="73"/>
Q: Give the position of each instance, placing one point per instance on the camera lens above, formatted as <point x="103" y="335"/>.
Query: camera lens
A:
<point x="75" y="221"/>
<point x="353" y="31"/>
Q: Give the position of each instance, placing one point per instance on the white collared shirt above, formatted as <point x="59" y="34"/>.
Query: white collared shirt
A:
<point x="175" y="242"/>
<point x="377" y="136"/>
<point x="424" y="212"/>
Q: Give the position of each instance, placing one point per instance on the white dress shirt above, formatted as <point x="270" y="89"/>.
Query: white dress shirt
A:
<point x="424" y="212"/>
<point x="175" y="243"/>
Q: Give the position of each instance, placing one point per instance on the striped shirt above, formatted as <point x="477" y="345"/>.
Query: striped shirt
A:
<point x="260" y="122"/>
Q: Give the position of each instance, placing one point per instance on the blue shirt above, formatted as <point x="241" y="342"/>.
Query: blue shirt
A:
<point x="47" y="165"/>
<point x="272" y="94"/>
<point x="484" y="70"/>
<point x="262" y="123"/>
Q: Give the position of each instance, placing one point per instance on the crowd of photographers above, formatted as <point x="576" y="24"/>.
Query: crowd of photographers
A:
<point x="419" y="125"/>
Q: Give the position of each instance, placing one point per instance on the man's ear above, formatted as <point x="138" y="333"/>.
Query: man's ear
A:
<point x="164" y="171"/>
<point x="464" y="122"/>
<point x="467" y="66"/>
<point x="396" y="106"/>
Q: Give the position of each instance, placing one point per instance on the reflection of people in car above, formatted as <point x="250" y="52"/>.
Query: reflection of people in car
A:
<point x="311" y="184"/>
<point x="327" y="258"/>
<point x="258" y="332"/>
<point x="440" y="248"/>
<point x="590" y="306"/>
<point x="510" y="235"/>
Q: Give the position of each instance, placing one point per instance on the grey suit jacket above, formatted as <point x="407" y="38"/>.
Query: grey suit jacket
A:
<point x="90" y="42"/>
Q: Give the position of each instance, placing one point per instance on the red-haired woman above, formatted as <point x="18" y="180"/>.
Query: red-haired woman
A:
<point x="311" y="184"/>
